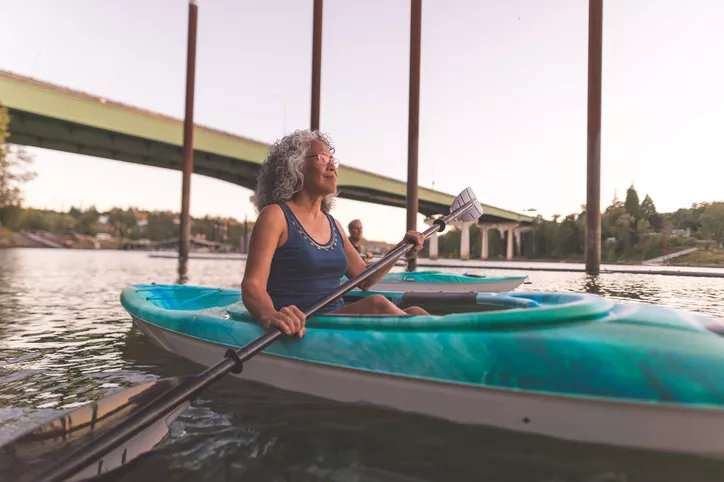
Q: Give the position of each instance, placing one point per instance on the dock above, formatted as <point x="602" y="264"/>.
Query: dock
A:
<point x="573" y="267"/>
<point x="551" y="266"/>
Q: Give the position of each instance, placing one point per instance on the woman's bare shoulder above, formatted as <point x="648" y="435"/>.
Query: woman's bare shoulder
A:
<point x="270" y="214"/>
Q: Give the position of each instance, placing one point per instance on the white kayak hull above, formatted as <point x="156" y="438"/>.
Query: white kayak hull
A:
<point x="659" y="427"/>
<point x="501" y="286"/>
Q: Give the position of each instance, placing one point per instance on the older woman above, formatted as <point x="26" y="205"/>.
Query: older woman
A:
<point x="298" y="252"/>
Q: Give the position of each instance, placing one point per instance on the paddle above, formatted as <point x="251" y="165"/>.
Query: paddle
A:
<point x="146" y="410"/>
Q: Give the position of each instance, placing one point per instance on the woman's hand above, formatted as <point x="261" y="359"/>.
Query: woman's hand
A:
<point x="288" y="320"/>
<point x="417" y="238"/>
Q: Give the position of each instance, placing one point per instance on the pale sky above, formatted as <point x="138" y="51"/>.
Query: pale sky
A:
<point x="503" y="94"/>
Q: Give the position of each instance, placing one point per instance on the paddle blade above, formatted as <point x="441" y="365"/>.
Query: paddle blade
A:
<point x="31" y="454"/>
<point x="463" y="198"/>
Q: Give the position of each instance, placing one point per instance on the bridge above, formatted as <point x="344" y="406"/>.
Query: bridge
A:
<point x="55" y="117"/>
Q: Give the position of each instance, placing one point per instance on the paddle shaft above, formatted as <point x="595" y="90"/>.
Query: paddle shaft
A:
<point x="232" y="362"/>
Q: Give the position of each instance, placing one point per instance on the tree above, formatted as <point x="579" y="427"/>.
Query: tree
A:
<point x="87" y="222"/>
<point x="624" y="229"/>
<point x="649" y="213"/>
<point x="14" y="167"/>
<point x="161" y="226"/>
<point x="712" y="221"/>
<point x="570" y="237"/>
<point x="632" y="203"/>
<point x="688" y="218"/>
<point x="616" y="201"/>
<point x="609" y="218"/>
<point x="642" y="229"/>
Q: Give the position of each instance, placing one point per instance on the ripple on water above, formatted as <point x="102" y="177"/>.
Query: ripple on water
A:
<point x="66" y="341"/>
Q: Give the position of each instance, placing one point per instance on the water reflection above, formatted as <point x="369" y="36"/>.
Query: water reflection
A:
<point x="703" y="295"/>
<point x="182" y="271"/>
<point x="65" y="340"/>
<point x="622" y="289"/>
<point x="591" y="285"/>
<point x="8" y="291"/>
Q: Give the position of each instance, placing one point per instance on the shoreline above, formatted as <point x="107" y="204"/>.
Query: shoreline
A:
<point x="575" y="267"/>
<point x="519" y="264"/>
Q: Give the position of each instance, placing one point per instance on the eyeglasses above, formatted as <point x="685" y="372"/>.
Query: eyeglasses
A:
<point x="324" y="159"/>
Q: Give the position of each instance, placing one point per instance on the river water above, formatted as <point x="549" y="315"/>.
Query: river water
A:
<point x="65" y="340"/>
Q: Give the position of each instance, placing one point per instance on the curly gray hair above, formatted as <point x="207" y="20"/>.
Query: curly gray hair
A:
<point x="282" y="173"/>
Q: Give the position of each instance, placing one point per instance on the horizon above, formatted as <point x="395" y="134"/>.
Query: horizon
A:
<point x="519" y="97"/>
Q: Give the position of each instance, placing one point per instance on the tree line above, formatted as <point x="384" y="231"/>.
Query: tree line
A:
<point x="130" y="223"/>
<point x="631" y="230"/>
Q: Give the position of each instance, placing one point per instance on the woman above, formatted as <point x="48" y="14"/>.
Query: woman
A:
<point x="297" y="251"/>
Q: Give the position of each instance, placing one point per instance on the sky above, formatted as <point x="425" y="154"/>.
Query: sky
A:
<point x="503" y="102"/>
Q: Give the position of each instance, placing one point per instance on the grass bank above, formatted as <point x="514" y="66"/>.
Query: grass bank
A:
<point x="712" y="257"/>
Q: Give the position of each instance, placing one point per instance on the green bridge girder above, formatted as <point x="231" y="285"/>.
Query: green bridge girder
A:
<point x="55" y="117"/>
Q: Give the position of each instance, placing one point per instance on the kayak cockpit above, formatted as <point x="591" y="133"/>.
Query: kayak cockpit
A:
<point x="462" y="311"/>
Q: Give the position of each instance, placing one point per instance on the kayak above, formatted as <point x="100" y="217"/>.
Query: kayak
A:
<point x="442" y="281"/>
<point x="572" y="366"/>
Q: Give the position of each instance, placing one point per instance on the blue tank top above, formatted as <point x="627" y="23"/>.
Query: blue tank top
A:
<point x="302" y="270"/>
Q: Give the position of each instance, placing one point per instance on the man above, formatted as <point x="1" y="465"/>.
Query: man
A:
<point x="355" y="237"/>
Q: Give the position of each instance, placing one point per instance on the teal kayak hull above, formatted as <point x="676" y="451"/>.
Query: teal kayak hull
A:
<point x="568" y="365"/>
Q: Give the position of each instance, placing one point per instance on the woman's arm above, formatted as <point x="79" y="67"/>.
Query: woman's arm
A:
<point x="265" y="238"/>
<point x="270" y="232"/>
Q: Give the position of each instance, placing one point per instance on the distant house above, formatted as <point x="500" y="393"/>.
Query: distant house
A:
<point x="103" y="226"/>
<point x="141" y="218"/>
<point x="684" y="233"/>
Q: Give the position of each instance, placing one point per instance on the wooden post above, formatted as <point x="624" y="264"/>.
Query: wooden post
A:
<point x="316" y="63"/>
<point x="188" y="147"/>
<point x="593" y="175"/>
<point x="413" y="122"/>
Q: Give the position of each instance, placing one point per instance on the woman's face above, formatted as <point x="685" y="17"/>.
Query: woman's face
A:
<point x="320" y="176"/>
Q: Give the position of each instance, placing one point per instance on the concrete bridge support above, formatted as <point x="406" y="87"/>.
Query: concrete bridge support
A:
<point x="484" y="248"/>
<point x="465" y="239"/>
<point x="515" y="238"/>
<point x="433" y="254"/>
<point x="501" y="227"/>
<point x="464" y="227"/>
<point x="511" y="248"/>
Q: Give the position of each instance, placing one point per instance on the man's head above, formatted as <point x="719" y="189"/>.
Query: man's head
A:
<point x="355" y="230"/>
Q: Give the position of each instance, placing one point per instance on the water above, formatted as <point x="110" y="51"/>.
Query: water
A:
<point x="65" y="340"/>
